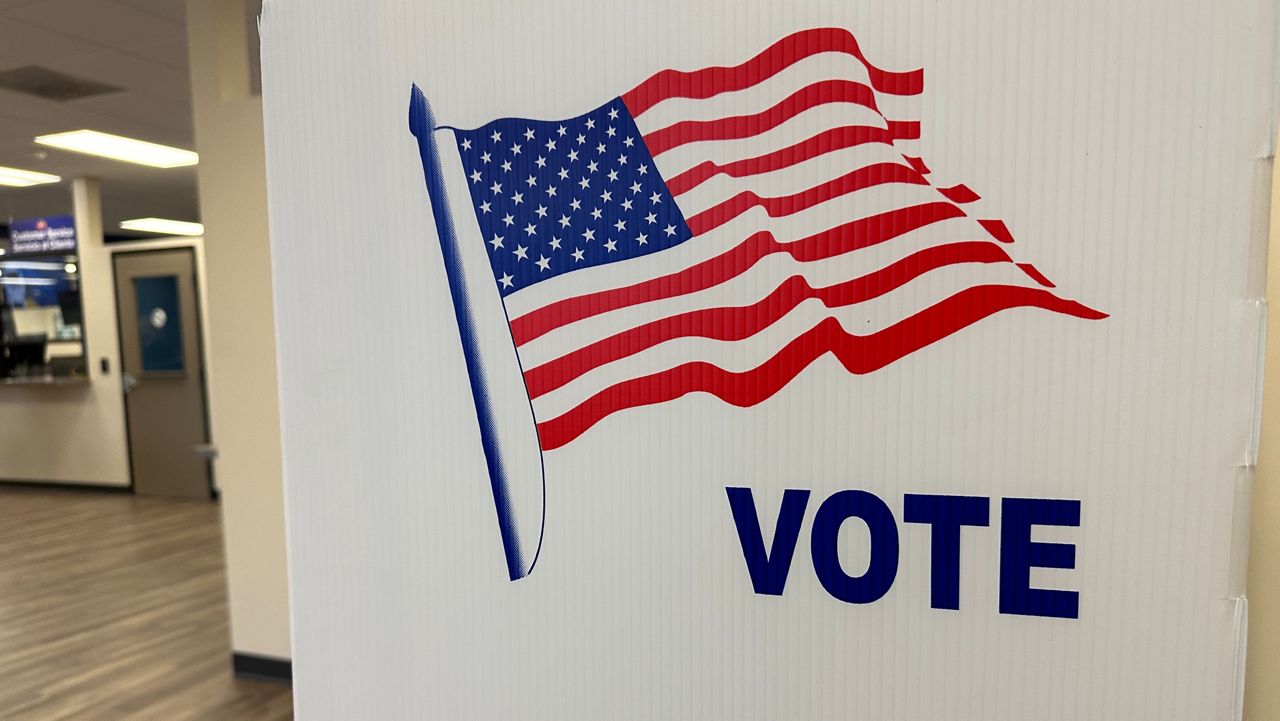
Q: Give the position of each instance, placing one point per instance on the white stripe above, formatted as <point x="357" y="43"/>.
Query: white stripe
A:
<point x="749" y="287"/>
<point x="796" y="129"/>
<point x="864" y="204"/>
<point x="770" y="92"/>
<point x="791" y="180"/>
<point x="737" y="356"/>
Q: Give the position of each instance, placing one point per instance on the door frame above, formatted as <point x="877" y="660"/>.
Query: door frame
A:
<point x="196" y="289"/>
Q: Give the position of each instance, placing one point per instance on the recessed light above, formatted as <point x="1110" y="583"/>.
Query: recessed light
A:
<point x="163" y="226"/>
<point x="69" y="267"/>
<point x="117" y="147"/>
<point x="16" y="178"/>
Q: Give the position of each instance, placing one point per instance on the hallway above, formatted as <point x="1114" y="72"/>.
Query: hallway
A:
<point x="113" y="606"/>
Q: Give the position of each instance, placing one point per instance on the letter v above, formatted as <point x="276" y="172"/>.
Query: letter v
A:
<point x="768" y="570"/>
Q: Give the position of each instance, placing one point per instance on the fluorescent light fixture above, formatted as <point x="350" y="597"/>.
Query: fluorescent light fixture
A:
<point x="116" y="147"/>
<point x="163" y="226"/>
<point x="16" y="178"/>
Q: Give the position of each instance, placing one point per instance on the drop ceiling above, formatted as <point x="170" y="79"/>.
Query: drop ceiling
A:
<point x="139" y="46"/>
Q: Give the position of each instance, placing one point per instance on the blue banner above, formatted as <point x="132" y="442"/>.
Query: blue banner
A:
<point x="54" y="234"/>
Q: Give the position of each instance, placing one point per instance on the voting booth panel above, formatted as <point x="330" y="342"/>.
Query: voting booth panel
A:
<point x="769" y="360"/>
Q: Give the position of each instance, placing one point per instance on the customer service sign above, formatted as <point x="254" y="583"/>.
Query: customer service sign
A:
<point x="783" y="361"/>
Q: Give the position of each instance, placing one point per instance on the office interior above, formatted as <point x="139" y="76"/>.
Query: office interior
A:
<point x="141" y="500"/>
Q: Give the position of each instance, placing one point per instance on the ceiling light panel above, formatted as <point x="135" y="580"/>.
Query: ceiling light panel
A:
<point x="118" y="147"/>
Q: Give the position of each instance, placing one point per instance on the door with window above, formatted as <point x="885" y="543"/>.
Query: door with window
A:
<point x="162" y="372"/>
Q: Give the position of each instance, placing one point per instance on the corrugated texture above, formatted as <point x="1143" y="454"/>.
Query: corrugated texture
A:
<point x="1119" y="143"/>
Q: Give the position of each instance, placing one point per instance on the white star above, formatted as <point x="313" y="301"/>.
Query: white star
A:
<point x="496" y="136"/>
<point x="506" y="165"/>
<point x="515" y="148"/>
<point x="573" y="156"/>
<point x="595" y="214"/>
<point x="530" y="229"/>
<point x="584" y="183"/>
<point x="577" y="254"/>
<point x="629" y="141"/>
<point x="581" y="138"/>
<point x="613" y="175"/>
<point x="485" y="206"/>
<point x="560" y="131"/>
<point x="655" y="198"/>
<point x="496" y="187"/>
<point x="555" y="243"/>
<point x="635" y="188"/>
<point x="551" y="191"/>
<point x="475" y="176"/>
<point x="600" y="148"/>
<point x="531" y="181"/>
<point x="466" y="143"/>
<point x="575" y="204"/>
<point x="508" y="219"/>
<point x="543" y="262"/>
<point x="551" y="145"/>
<point x="642" y="239"/>
<point x="496" y="242"/>
<point x="669" y="230"/>
<point x="564" y="221"/>
<point x="621" y="225"/>
<point x="622" y="159"/>
<point x="541" y="162"/>
<point x="613" y="113"/>
<point x="564" y="174"/>
<point x="591" y="123"/>
<point x="606" y="196"/>
<point x="517" y="198"/>
<point x="521" y="252"/>
<point x="528" y="133"/>
<point x="589" y="235"/>
<point x="643" y="169"/>
<point x="611" y="246"/>
<point x="609" y="131"/>
<point x="506" y="280"/>
<point x="592" y="167"/>
<point x="485" y="157"/>
<point x="626" y="204"/>
<point x="541" y="211"/>
<point x="651" y="218"/>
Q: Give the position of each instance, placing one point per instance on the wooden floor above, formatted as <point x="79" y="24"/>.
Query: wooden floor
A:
<point x="114" y="607"/>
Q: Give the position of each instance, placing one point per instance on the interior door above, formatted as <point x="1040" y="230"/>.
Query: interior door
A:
<point x="163" y="373"/>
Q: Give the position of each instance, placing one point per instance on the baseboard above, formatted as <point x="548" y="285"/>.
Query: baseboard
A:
<point x="63" y="486"/>
<point x="267" y="668"/>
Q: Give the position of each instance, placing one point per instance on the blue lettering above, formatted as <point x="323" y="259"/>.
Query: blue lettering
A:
<point x="883" y="568"/>
<point x="1019" y="554"/>
<point x="768" y="570"/>
<point x="946" y="514"/>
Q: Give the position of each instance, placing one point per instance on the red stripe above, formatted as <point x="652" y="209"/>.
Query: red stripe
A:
<point x="918" y="164"/>
<point x="997" y="229"/>
<point x="858" y="354"/>
<point x="959" y="194"/>
<point x="860" y="179"/>
<point x="745" y="126"/>
<point x="737" y="323"/>
<point x="841" y="239"/>
<point x="709" y="82"/>
<point x="828" y="141"/>
<point x="1036" y="275"/>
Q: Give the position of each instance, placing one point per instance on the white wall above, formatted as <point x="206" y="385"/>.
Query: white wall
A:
<point x="244" y="409"/>
<point x="74" y="433"/>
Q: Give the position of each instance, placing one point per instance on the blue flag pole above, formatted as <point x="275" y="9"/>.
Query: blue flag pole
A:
<point x="503" y="453"/>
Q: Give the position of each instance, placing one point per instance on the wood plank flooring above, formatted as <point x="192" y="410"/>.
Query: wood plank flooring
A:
<point x="114" y="607"/>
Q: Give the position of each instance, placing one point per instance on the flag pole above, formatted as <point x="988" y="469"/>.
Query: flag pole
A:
<point x="498" y="448"/>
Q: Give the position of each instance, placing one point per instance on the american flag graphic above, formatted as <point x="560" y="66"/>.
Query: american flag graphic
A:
<point x="719" y="230"/>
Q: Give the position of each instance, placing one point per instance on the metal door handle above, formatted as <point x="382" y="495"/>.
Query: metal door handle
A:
<point x="129" y="383"/>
